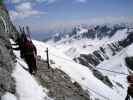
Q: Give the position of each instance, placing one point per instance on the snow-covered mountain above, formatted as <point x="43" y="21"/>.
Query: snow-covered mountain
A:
<point x="99" y="84"/>
<point x="78" y="73"/>
<point x="81" y="74"/>
<point x="86" y="78"/>
<point x="104" y="55"/>
<point x="91" y="63"/>
<point x="84" y="40"/>
<point x="89" y="32"/>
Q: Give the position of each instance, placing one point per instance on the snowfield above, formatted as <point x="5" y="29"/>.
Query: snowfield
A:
<point x="8" y="96"/>
<point x="84" y="76"/>
<point x="27" y="87"/>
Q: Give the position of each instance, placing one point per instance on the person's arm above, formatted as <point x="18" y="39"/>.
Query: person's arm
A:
<point x="35" y="50"/>
<point x="15" y="44"/>
<point x="16" y="48"/>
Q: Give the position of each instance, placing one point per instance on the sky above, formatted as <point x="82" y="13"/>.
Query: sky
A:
<point x="47" y="16"/>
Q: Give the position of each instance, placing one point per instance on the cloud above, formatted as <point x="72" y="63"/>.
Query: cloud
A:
<point x="24" y="8"/>
<point x="81" y="1"/>
<point x="32" y="1"/>
<point x="16" y="1"/>
<point x="21" y="15"/>
<point x="46" y="26"/>
<point x="112" y="19"/>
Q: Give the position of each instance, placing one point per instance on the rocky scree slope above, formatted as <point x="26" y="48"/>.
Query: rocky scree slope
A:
<point x="59" y="84"/>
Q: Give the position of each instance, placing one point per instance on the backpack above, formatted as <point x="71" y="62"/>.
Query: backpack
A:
<point x="29" y="48"/>
<point x="130" y="78"/>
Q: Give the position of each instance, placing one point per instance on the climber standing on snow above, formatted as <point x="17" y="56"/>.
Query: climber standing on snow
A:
<point x="130" y="88"/>
<point x="27" y="49"/>
<point x="30" y="53"/>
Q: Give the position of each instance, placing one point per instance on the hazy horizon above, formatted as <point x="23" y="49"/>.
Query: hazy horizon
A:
<point x="47" y="16"/>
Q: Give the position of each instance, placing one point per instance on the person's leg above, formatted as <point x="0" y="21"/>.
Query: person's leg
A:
<point x="29" y="63"/>
<point x="127" y="97"/>
<point x="34" y="66"/>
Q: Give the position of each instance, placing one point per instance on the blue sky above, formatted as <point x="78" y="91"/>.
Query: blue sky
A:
<point x="45" y="16"/>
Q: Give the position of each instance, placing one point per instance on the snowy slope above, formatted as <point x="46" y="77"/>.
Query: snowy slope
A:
<point x="119" y="35"/>
<point x="84" y="76"/>
<point x="31" y="90"/>
<point x="116" y="64"/>
<point x="27" y="87"/>
<point x="7" y="96"/>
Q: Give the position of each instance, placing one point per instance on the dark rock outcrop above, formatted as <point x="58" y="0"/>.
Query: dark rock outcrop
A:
<point x="59" y="84"/>
<point x="7" y="58"/>
<point x="126" y="42"/>
<point x="129" y="62"/>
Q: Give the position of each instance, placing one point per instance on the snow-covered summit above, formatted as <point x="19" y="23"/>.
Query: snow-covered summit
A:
<point x="89" y="32"/>
<point x="84" y="40"/>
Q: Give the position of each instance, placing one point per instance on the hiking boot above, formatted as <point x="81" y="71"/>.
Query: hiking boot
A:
<point x="34" y="72"/>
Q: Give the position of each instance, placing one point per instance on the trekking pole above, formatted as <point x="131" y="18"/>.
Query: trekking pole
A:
<point x="20" y="29"/>
<point x="28" y="31"/>
<point x="23" y="30"/>
<point x="47" y="54"/>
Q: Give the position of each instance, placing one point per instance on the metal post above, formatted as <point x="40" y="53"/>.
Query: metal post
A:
<point x="47" y="53"/>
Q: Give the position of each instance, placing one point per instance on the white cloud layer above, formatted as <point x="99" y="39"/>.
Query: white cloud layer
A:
<point x="81" y="1"/>
<point x="61" y="25"/>
<point x="21" y="15"/>
<point x="40" y="1"/>
<point x="25" y="8"/>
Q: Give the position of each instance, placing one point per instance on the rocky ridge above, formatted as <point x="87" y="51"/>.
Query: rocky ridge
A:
<point x="7" y="58"/>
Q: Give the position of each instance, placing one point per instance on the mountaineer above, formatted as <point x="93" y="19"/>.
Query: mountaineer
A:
<point x="27" y="50"/>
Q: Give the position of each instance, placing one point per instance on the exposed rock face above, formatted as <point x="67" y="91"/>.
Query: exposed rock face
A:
<point x="129" y="62"/>
<point x="99" y="55"/>
<point x="6" y="25"/>
<point x="94" y="59"/>
<point x="59" y="84"/>
<point x="7" y="58"/>
<point x="126" y="42"/>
